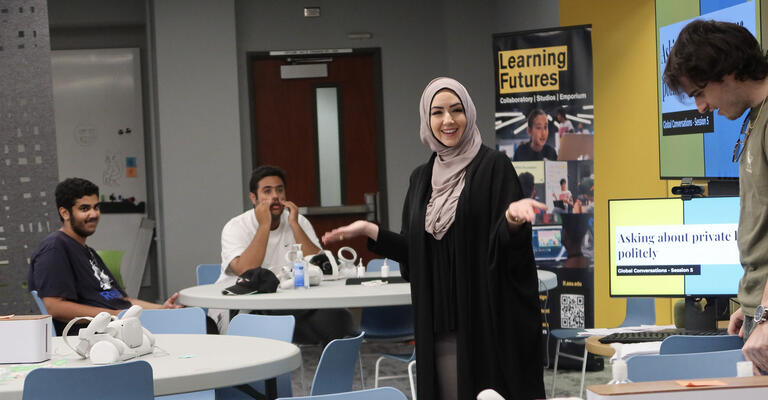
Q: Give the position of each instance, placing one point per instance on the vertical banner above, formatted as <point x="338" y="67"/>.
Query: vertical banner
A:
<point x="545" y="124"/>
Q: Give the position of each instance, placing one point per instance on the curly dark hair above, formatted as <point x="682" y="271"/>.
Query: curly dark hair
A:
<point x="71" y="189"/>
<point x="707" y="51"/>
<point x="262" y="172"/>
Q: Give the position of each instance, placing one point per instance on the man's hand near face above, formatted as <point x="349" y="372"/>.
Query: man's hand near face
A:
<point x="263" y="214"/>
<point x="293" y="209"/>
<point x="307" y="246"/>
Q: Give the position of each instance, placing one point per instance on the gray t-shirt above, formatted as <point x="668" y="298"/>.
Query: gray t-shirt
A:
<point x="753" y="218"/>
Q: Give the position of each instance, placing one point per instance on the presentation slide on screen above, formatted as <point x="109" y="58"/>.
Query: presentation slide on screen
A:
<point x="671" y="247"/>
<point x="694" y="144"/>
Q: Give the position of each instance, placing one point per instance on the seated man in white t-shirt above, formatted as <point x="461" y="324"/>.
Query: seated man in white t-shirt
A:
<point x="260" y="238"/>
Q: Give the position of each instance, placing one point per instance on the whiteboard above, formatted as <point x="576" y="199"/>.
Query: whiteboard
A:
<point x="98" y="116"/>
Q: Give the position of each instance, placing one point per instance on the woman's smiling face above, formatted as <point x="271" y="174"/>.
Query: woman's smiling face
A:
<point x="447" y="118"/>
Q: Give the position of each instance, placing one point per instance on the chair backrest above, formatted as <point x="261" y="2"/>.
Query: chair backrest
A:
<point x="208" y="273"/>
<point x="640" y="311"/>
<point x="681" y="344"/>
<point x="188" y="320"/>
<point x="375" y="265"/>
<point x="124" y="381"/>
<point x="277" y="327"/>
<point x="387" y="322"/>
<point x="390" y="321"/>
<point x="336" y="368"/>
<point x="658" y="367"/>
<point x="382" y="393"/>
<point x="42" y="309"/>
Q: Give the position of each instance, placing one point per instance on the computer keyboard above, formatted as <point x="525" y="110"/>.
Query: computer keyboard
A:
<point x="640" y="337"/>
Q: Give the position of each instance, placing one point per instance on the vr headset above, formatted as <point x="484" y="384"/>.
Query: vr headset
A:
<point x="327" y="264"/>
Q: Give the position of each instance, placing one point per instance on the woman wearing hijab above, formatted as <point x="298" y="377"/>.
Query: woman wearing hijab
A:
<point x="465" y="247"/>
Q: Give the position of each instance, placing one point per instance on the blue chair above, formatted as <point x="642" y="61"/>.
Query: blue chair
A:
<point x="391" y="323"/>
<point x="409" y="359"/>
<point x="277" y="327"/>
<point x="384" y="393"/>
<point x="43" y="310"/>
<point x="658" y="367"/>
<point x="682" y="344"/>
<point x="189" y="320"/>
<point x="336" y="368"/>
<point x="640" y="311"/>
<point x="207" y="273"/>
<point x="123" y="381"/>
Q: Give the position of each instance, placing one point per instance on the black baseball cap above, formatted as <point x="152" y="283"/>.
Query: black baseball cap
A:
<point x="256" y="280"/>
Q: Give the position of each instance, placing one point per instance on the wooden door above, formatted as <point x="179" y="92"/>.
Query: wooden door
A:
<point x="284" y="124"/>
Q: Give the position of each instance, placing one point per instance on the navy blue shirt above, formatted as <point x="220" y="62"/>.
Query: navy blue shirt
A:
<point x="524" y="152"/>
<point x="62" y="267"/>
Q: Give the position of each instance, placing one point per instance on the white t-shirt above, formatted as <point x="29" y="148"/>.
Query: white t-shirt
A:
<point x="239" y="232"/>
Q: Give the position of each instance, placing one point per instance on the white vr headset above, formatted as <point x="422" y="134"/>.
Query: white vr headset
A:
<point x="108" y="339"/>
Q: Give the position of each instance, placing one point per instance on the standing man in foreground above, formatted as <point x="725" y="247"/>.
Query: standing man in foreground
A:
<point x="722" y="67"/>
<point x="69" y="276"/>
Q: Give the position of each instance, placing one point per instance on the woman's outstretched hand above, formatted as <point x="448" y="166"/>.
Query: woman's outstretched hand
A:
<point x="355" y="229"/>
<point x="523" y="210"/>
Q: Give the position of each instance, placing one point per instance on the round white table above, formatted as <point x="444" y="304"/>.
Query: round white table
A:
<point x="184" y="363"/>
<point x="329" y="294"/>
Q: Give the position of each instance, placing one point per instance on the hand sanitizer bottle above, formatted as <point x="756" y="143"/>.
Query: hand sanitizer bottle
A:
<point x="300" y="278"/>
<point x="385" y="269"/>
<point x="619" y="372"/>
<point x="360" y="268"/>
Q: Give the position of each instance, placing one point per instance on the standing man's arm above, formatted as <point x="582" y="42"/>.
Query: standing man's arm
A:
<point x="307" y="245"/>
<point x="253" y="255"/>
<point x="756" y="347"/>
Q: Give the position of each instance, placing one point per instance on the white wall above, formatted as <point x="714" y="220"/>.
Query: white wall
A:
<point x="419" y="40"/>
<point x="198" y="131"/>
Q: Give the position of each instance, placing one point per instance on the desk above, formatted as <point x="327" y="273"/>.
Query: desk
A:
<point x="188" y="363"/>
<point x="754" y="387"/>
<point x="329" y="294"/>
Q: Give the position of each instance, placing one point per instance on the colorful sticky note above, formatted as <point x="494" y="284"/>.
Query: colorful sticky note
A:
<point x="130" y="162"/>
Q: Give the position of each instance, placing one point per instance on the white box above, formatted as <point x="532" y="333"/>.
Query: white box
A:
<point x="25" y="339"/>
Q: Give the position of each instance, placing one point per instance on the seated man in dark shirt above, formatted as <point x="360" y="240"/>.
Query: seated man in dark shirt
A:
<point x="537" y="149"/>
<point x="69" y="276"/>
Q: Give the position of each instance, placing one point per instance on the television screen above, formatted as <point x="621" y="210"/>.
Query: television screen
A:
<point x="674" y="247"/>
<point x="695" y="145"/>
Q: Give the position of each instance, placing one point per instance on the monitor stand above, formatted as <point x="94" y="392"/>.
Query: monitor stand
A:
<point x="698" y="319"/>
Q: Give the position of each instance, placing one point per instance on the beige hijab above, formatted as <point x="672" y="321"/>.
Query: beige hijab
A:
<point x="450" y="162"/>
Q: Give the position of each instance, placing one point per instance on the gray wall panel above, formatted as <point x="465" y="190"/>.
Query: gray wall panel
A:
<point x="27" y="147"/>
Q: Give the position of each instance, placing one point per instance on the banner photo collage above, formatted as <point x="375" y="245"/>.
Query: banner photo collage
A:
<point x="545" y="124"/>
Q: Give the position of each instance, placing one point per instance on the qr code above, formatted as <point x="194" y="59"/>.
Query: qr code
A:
<point x="571" y="311"/>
